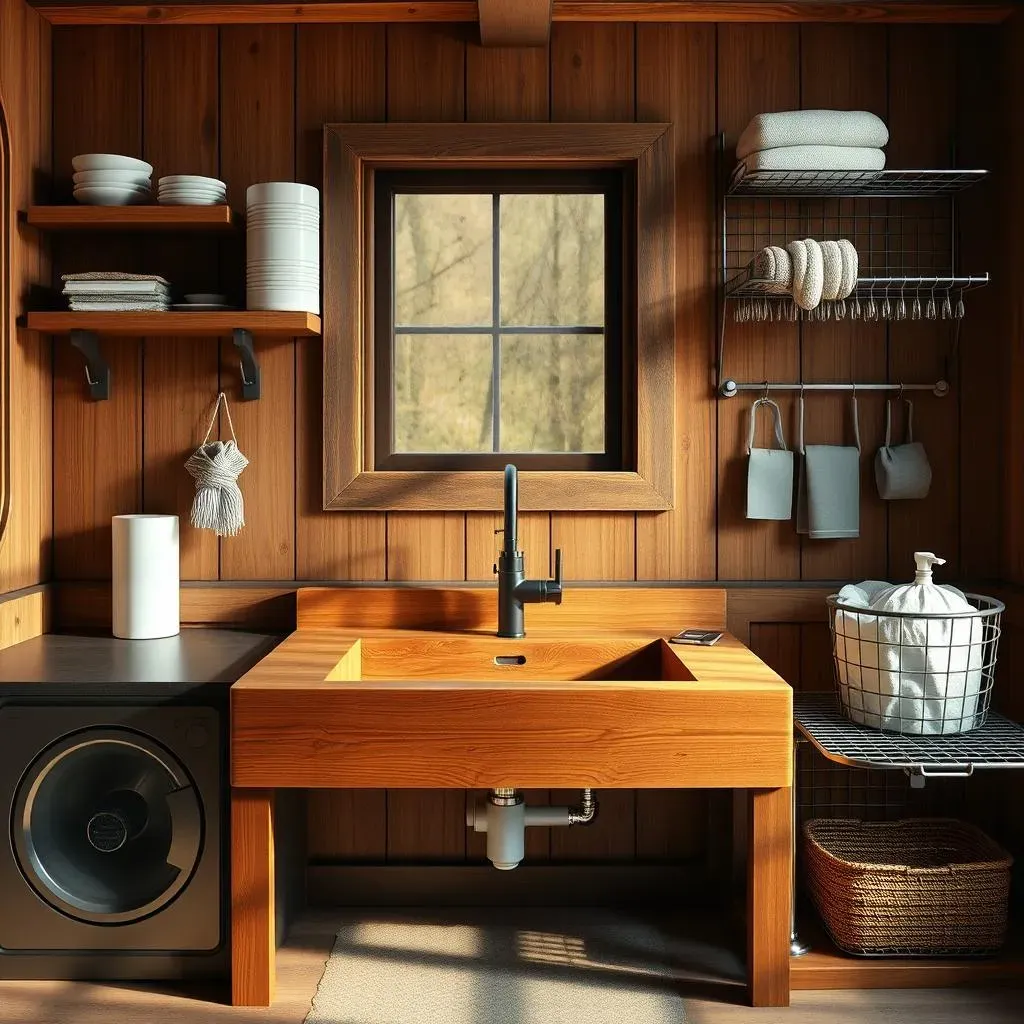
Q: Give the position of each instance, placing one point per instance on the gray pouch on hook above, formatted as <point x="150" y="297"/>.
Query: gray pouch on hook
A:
<point x="828" y="493"/>
<point x="902" y="471"/>
<point x="769" y="471"/>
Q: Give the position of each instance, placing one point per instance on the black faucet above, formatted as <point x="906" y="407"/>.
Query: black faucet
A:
<point x="514" y="589"/>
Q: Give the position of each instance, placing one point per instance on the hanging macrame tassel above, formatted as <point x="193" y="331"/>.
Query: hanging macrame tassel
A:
<point x="215" y="467"/>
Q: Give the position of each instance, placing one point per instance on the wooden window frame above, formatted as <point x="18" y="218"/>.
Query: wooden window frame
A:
<point x="352" y="155"/>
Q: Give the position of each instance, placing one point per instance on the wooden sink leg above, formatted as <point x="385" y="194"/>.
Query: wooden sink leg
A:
<point x="769" y="895"/>
<point x="253" y="945"/>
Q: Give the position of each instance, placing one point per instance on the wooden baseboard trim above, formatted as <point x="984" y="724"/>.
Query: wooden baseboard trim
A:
<point x="537" y="885"/>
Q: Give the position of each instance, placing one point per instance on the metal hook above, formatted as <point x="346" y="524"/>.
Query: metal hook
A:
<point x="899" y="397"/>
<point x="764" y="393"/>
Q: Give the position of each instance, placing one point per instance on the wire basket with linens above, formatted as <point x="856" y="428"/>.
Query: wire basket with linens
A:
<point x="916" y="659"/>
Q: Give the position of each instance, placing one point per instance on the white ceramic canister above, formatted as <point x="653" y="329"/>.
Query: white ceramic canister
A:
<point x="146" y="577"/>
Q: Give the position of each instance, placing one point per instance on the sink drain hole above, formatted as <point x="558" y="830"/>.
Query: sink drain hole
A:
<point x="510" y="659"/>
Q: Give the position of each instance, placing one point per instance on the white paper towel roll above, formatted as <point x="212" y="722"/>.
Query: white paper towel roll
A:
<point x="145" y="576"/>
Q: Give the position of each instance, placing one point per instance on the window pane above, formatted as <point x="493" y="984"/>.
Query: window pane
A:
<point x="552" y="393"/>
<point x="442" y="388"/>
<point x="552" y="260"/>
<point x="443" y="256"/>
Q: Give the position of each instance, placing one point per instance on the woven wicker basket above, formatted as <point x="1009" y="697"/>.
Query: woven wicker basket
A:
<point x="920" y="887"/>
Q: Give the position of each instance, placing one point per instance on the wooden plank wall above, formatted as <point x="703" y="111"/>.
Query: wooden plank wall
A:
<point x="25" y="83"/>
<point x="247" y="103"/>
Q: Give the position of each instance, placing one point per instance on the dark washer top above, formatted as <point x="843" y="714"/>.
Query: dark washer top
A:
<point x="195" y="656"/>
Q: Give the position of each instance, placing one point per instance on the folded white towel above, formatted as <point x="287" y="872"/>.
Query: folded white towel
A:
<point x="832" y="259"/>
<point x="851" y="267"/>
<point x="811" y="158"/>
<point x="773" y="265"/>
<point x="808" y="272"/>
<point x="812" y="128"/>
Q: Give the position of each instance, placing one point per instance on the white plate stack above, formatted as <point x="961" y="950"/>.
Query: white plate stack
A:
<point x="283" y="246"/>
<point x="191" y="190"/>
<point x="107" y="179"/>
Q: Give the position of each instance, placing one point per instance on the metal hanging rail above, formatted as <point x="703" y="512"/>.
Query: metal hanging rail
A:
<point x="731" y="388"/>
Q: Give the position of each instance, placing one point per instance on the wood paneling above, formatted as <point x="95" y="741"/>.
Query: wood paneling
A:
<point x="592" y="79"/>
<point x="845" y="68"/>
<point x="758" y="70"/>
<point x="25" y="359"/>
<point x="97" y="446"/>
<point x="676" y="83"/>
<point x="257" y="132"/>
<point x="340" y="73"/>
<point x="180" y="376"/>
<point x="258" y="96"/>
<point x="922" y="65"/>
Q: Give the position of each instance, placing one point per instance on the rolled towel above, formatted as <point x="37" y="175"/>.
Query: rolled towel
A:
<point x="811" y="158"/>
<point x="789" y="128"/>
<point x="808" y="272"/>
<point x="851" y="268"/>
<point x="832" y="277"/>
<point x="773" y="265"/>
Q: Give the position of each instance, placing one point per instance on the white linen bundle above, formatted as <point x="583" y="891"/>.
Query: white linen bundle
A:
<point x="920" y="676"/>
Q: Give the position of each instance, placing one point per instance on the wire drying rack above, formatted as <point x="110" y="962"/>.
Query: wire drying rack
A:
<point x="903" y="224"/>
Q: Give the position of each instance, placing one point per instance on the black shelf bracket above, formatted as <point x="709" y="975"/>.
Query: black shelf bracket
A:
<point x="97" y="372"/>
<point x="251" y="380"/>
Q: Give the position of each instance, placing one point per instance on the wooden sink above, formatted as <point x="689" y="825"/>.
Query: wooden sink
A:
<point x="391" y="688"/>
<point x="410" y="688"/>
<point x="493" y="659"/>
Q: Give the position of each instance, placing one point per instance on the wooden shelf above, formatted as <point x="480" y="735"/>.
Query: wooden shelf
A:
<point x="825" y="967"/>
<point x="260" y="324"/>
<point x="132" y="218"/>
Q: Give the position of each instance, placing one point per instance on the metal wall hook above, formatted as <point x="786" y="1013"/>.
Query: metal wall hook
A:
<point x="250" y="368"/>
<point x="97" y="372"/>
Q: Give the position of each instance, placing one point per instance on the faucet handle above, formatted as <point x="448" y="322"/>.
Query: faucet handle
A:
<point x="558" y="567"/>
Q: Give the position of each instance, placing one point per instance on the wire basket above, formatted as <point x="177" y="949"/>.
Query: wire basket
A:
<point x="916" y="673"/>
<point x="919" y="887"/>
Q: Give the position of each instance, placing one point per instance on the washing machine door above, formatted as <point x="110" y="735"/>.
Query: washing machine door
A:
<point x="107" y="826"/>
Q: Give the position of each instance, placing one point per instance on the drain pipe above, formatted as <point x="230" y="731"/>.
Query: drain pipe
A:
<point x="505" y="817"/>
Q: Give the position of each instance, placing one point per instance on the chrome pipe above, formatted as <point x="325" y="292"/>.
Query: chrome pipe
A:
<point x="587" y="810"/>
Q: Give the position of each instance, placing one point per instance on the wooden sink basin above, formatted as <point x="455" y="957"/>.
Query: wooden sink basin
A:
<point x="395" y="688"/>
<point x="494" y="659"/>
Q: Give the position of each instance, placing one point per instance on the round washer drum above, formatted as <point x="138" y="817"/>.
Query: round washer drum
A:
<point x="107" y="826"/>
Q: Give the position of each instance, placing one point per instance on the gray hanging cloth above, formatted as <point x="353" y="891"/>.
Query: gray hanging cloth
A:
<point x="215" y="466"/>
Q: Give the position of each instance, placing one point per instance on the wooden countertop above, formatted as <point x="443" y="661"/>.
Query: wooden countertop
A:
<point x="364" y="706"/>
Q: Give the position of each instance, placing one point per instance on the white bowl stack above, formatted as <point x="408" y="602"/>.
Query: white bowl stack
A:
<point x="191" y="190"/>
<point x="107" y="179"/>
<point x="283" y="246"/>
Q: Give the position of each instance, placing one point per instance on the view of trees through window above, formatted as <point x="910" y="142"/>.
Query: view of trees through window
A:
<point x="498" y="320"/>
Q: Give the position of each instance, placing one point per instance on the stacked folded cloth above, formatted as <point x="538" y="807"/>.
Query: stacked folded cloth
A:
<point x="117" y="293"/>
<point x="812" y="140"/>
<point x="812" y="272"/>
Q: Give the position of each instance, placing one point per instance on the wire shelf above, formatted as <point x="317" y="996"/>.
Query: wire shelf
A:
<point x="997" y="744"/>
<point x="746" y="287"/>
<point x="861" y="184"/>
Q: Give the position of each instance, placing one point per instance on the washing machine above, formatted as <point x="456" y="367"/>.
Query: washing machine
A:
<point x="113" y="795"/>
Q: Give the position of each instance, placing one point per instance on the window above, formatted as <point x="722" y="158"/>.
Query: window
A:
<point x="498" y="320"/>
<point x="442" y="360"/>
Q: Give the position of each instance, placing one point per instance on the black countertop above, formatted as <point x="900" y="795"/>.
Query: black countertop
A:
<point x="193" y="658"/>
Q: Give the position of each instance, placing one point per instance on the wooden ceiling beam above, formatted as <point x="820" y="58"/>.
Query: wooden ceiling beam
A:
<point x="72" y="12"/>
<point x="515" y="22"/>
